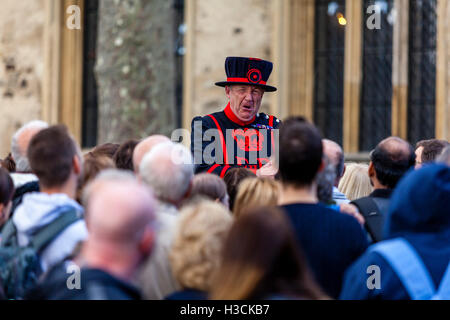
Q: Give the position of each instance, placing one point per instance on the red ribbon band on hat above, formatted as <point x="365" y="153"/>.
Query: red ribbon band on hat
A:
<point x="245" y="80"/>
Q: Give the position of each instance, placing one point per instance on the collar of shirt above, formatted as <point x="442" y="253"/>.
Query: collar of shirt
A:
<point x="381" y="193"/>
<point x="230" y="115"/>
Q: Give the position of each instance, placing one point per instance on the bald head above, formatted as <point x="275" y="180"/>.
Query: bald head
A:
<point x="119" y="210"/>
<point x="396" y="148"/>
<point x="144" y="147"/>
<point x="168" y="169"/>
<point x="391" y="159"/>
<point x="335" y="154"/>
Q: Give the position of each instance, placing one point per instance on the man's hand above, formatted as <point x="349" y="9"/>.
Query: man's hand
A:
<point x="352" y="210"/>
<point x="267" y="171"/>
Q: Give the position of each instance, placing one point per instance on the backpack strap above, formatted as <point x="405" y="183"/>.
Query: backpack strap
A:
<point x="44" y="236"/>
<point x="443" y="292"/>
<point x="9" y="234"/>
<point x="374" y="218"/>
<point x="408" y="267"/>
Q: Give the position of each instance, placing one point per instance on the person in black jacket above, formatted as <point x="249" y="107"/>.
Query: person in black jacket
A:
<point x="242" y="137"/>
<point x="389" y="162"/>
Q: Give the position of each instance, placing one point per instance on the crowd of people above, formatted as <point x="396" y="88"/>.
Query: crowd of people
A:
<point x="138" y="224"/>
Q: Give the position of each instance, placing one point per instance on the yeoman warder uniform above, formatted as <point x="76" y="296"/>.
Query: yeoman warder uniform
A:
<point x="256" y="136"/>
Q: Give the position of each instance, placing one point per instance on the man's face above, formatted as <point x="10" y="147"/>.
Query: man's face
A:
<point x="245" y="100"/>
<point x="419" y="157"/>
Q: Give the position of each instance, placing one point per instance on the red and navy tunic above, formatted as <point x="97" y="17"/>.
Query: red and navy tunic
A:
<point x="243" y="144"/>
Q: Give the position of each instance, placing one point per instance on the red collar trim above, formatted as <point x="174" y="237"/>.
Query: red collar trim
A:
<point x="230" y="114"/>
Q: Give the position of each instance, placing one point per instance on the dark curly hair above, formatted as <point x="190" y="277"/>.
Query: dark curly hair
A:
<point x="123" y="158"/>
<point x="8" y="163"/>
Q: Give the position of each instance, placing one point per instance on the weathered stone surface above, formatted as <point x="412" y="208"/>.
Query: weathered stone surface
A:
<point x="135" y="69"/>
<point x="227" y="28"/>
<point x="21" y="65"/>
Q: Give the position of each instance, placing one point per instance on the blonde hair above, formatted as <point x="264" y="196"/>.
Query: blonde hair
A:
<point x="256" y="192"/>
<point x="195" y="253"/>
<point x="355" y="183"/>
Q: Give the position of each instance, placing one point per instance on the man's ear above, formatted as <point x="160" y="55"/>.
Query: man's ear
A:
<point x="146" y="243"/>
<point x="76" y="163"/>
<point x="188" y="191"/>
<point x="371" y="170"/>
<point x="343" y="171"/>
<point x="227" y="91"/>
<point x="322" y="166"/>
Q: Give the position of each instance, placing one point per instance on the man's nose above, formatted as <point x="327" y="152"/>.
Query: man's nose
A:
<point x="249" y="97"/>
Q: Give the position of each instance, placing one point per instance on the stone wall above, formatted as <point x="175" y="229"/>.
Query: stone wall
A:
<point x="21" y="65"/>
<point x="135" y="69"/>
<point x="221" y="29"/>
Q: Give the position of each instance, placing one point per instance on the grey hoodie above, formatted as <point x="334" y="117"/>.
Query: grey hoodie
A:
<point x="38" y="210"/>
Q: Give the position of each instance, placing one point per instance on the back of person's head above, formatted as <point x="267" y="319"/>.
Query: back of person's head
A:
<point x="123" y="158"/>
<point x="325" y="181"/>
<point x="20" y="142"/>
<point x="300" y="155"/>
<point x="430" y="149"/>
<point x="92" y="166"/>
<point x="335" y="154"/>
<point x="106" y="149"/>
<point x="51" y="153"/>
<point x="211" y="187"/>
<point x="391" y="159"/>
<point x="420" y="203"/>
<point x="8" y="163"/>
<point x="120" y="213"/>
<point x="256" y="192"/>
<point x="261" y="259"/>
<point x="444" y="157"/>
<point x="233" y="179"/>
<point x="144" y="147"/>
<point x="355" y="183"/>
<point x="6" y="195"/>
<point x="195" y="254"/>
<point x="168" y="170"/>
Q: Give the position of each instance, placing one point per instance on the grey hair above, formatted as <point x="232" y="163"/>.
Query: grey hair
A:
<point x="168" y="169"/>
<point x="106" y="176"/>
<point x="338" y="159"/>
<point x="340" y="165"/>
<point x="20" y="156"/>
<point x="325" y="182"/>
<point x="444" y="157"/>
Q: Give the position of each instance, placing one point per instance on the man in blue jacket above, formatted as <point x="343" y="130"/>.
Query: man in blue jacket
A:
<point x="412" y="261"/>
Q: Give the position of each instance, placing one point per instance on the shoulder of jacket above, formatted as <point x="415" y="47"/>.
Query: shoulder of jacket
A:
<point x="265" y="119"/>
<point x="208" y="119"/>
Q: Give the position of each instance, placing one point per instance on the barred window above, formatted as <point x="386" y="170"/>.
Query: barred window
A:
<point x="329" y="68"/>
<point x="376" y="94"/>
<point x="422" y="70"/>
<point x="90" y="96"/>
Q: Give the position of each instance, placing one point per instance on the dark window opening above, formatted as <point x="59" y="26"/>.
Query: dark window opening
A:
<point x="179" y="55"/>
<point x="376" y="93"/>
<point x="422" y="70"/>
<point x="90" y="92"/>
<point x="329" y="68"/>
